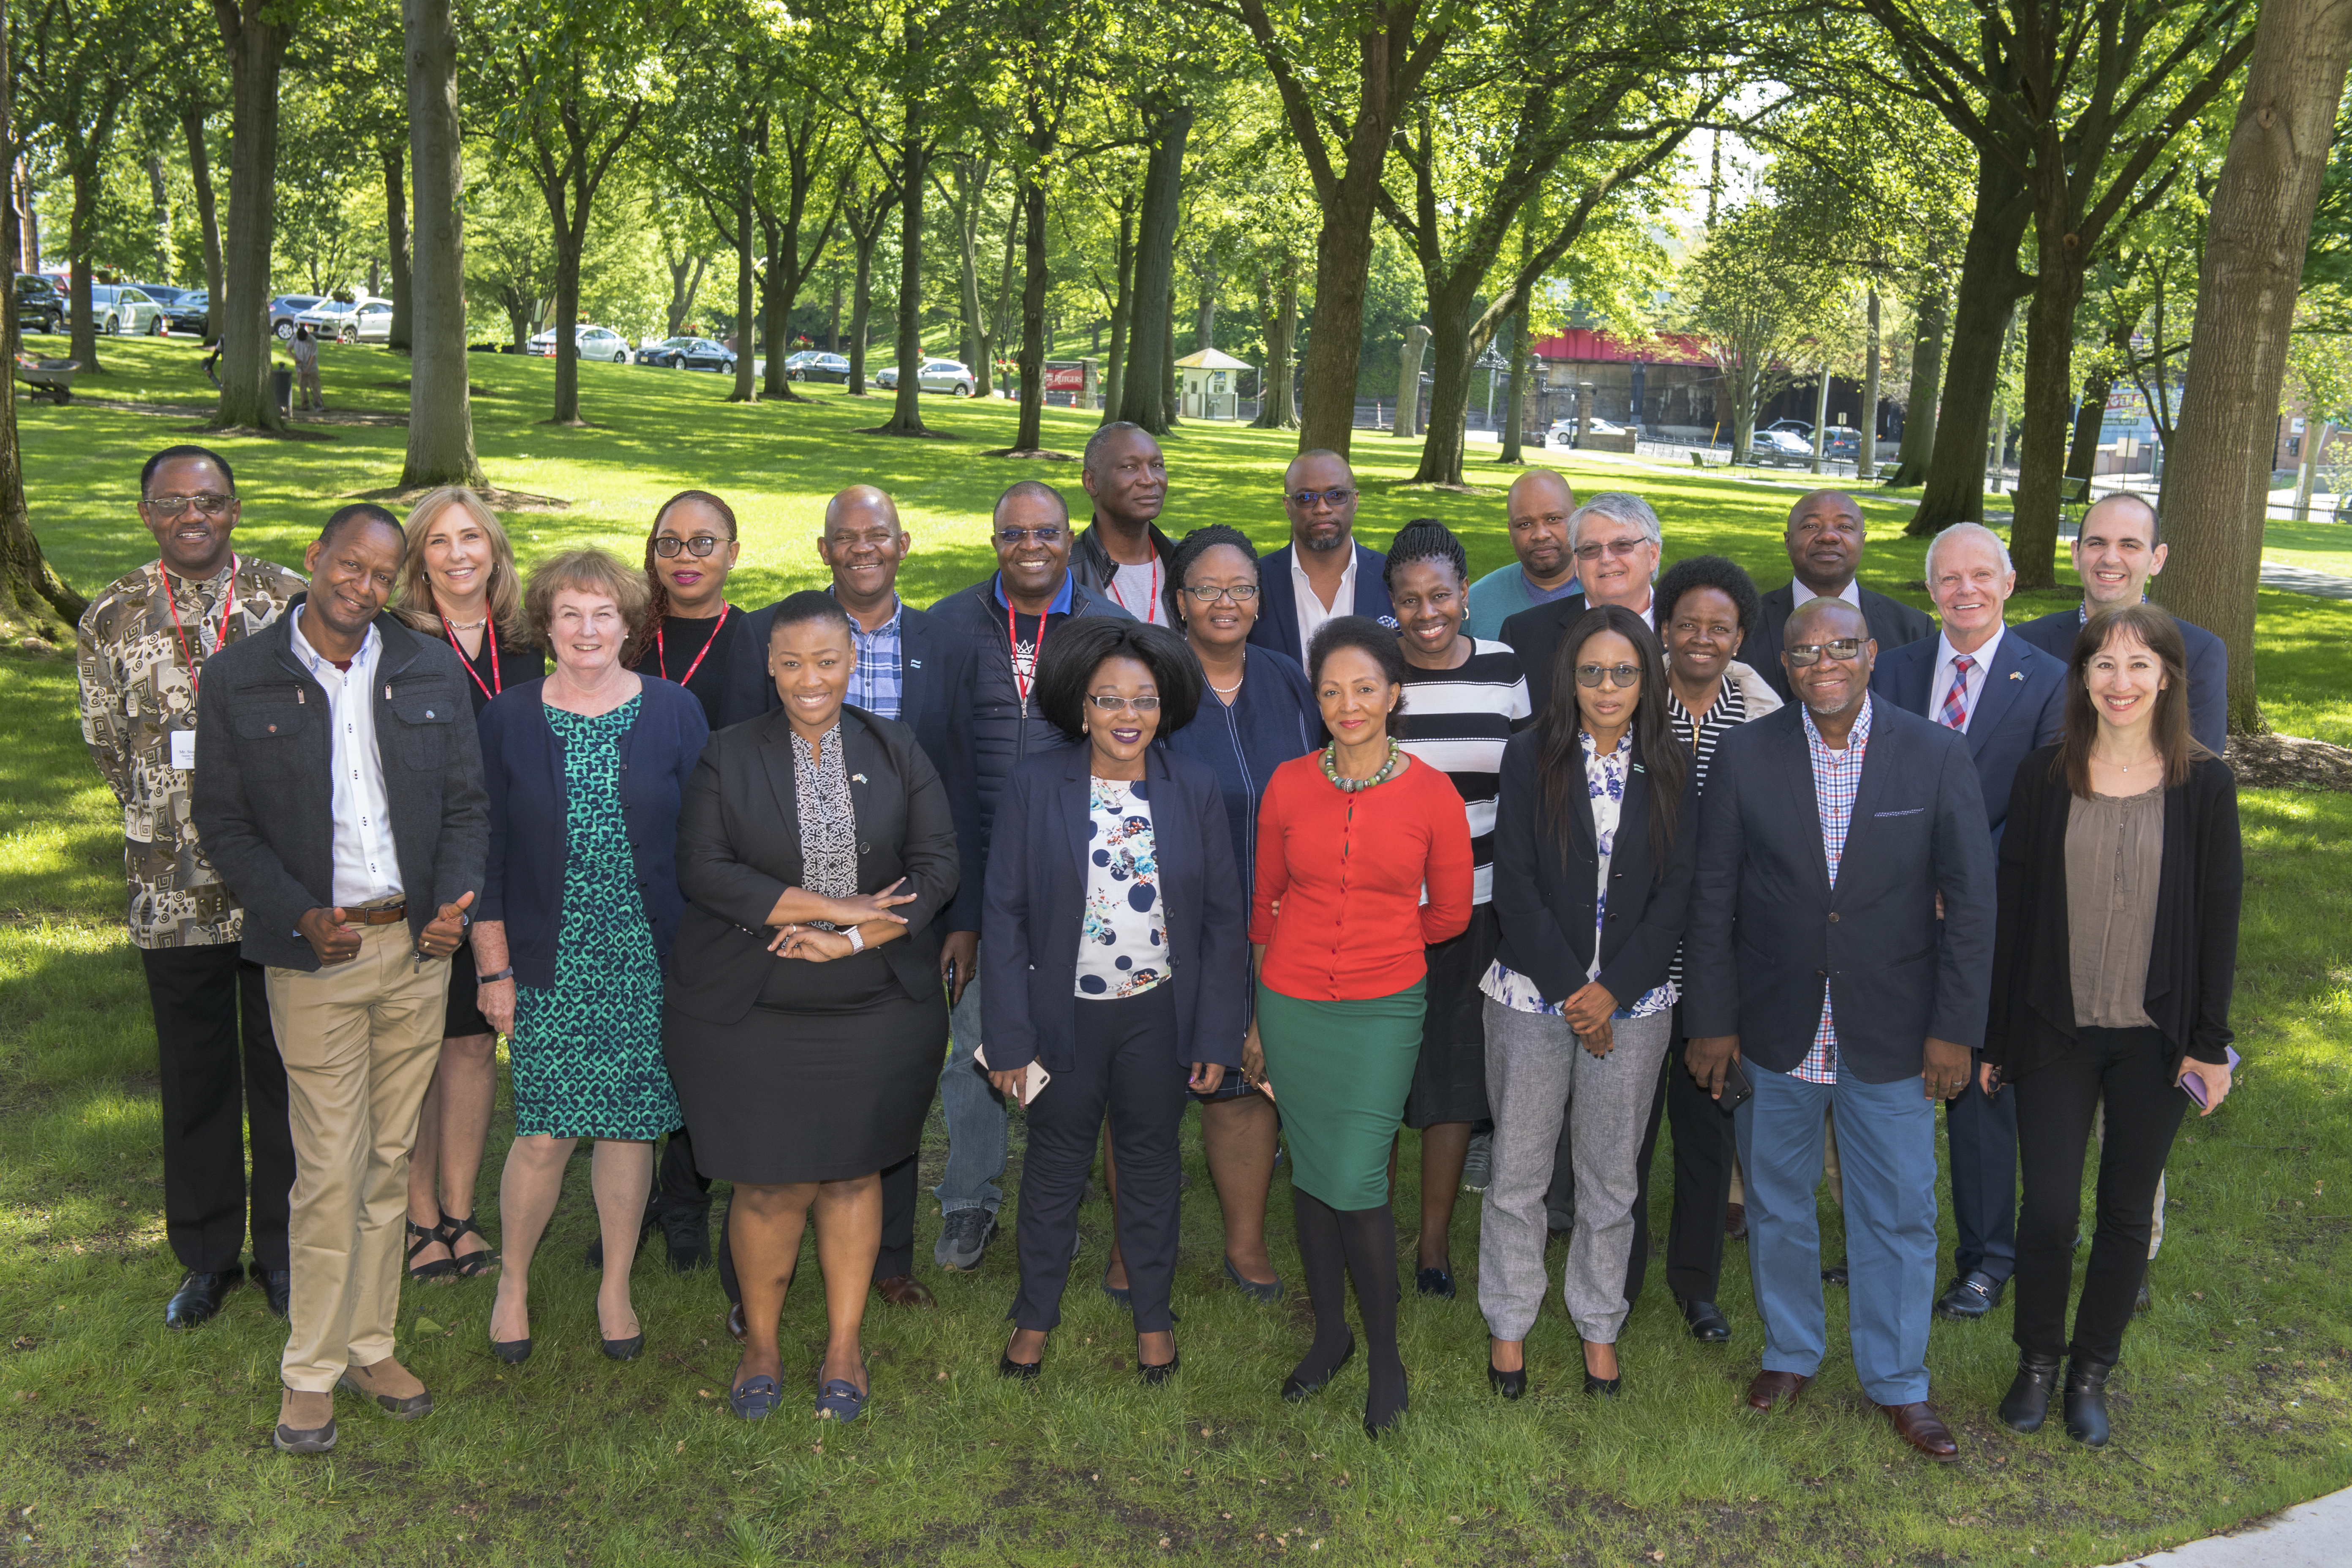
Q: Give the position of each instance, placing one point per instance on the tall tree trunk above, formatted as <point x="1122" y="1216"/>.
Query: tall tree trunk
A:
<point x="1000" y="319"/>
<point x="1928" y="321"/>
<point x="254" y="32"/>
<point x="160" y="195"/>
<point x="2049" y="385"/>
<point x="1406" y="423"/>
<point x="906" y="414"/>
<point x="440" y="413"/>
<point x="2082" y="452"/>
<point x="1821" y="420"/>
<point x="1169" y="410"/>
<point x="1205" y="320"/>
<point x="1031" y="436"/>
<point x="1450" y="353"/>
<point x="685" y="283"/>
<point x="2218" y="478"/>
<point x="775" y="313"/>
<point x="28" y="222"/>
<point x="1865" y="463"/>
<point x="746" y="297"/>
<point x="83" y="344"/>
<point x="978" y="351"/>
<point x="833" y="321"/>
<point x="1273" y="409"/>
<point x="861" y="310"/>
<point x="396" y="228"/>
<point x="1990" y="286"/>
<point x="1143" y="391"/>
<point x="1515" y="391"/>
<point x="1122" y="313"/>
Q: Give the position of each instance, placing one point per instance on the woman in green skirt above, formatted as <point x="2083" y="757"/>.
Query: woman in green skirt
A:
<point x="1349" y="840"/>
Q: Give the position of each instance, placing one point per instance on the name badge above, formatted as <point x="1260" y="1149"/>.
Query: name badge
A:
<point x="184" y="750"/>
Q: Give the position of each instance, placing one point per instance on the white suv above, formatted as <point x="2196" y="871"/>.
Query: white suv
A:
<point x="594" y="342"/>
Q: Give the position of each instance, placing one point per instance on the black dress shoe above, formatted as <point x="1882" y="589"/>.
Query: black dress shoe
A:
<point x="625" y="1350"/>
<point x="1834" y="1275"/>
<point x="514" y="1353"/>
<point x="1153" y="1376"/>
<point x="1435" y="1282"/>
<point x="1027" y="1371"/>
<point x="198" y="1297"/>
<point x="1509" y="1384"/>
<point x="687" y="1234"/>
<point x="1296" y="1388"/>
<point x="1707" y="1324"/>
<point x="1602" y="1387"/>
<point x="277" y="1288"/>
<point x="2086" y="1401"/>
<point x="2027" y="1405"/>
<point x="1971" y="1297"/>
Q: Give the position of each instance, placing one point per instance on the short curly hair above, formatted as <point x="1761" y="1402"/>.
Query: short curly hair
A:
<point x="1717" y="572"/>
<point x="1079" y="646"/>
<point x="589" y="571"/>
<point x="1364" y="632"/>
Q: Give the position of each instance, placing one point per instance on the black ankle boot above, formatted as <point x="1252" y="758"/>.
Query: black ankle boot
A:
<point x="2027" y="1404"/>
<point x="2086" y="1401"/>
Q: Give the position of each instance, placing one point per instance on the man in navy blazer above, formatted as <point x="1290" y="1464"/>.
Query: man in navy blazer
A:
<point x="1830" y="834"/>
<point x="1322" y="572"/>
<point x="1824" y="539"/>
<point x="914" y="669"/>
<point x="2118" y="548"/>
<point x="2007" y="697"/>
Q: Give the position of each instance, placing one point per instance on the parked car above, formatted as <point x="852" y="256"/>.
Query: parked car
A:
<point x="371" y="322"/>
<point x="284" y="309"/>
<point x="366" y="318"/>
<point x="932" y="375"/>
<point x="594" y="342"/>
<point x="689" y="353"/>
<point x="818" y="367"/>
<point x="41" y="305"/>
<point x="1802" y="429"/>
<point x="1779" y="447"/>
<point x="1843" y="442"/>
<point x="118" y="310"/>
<point x="192" y="313"/>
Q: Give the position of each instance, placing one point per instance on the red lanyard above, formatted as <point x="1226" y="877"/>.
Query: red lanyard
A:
<point x="490" y="635"/>
<point x="172" y="603"/>
<point x="661" y="657"/>
<point x="1013" y="654"/>
<point x="1155" y="589"/>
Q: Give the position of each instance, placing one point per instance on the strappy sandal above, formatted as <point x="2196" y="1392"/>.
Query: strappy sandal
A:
<point x="424" y="1237"/>
<point x="465" y="1264"/>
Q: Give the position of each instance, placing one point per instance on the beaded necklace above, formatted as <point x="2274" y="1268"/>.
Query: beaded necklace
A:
<point x="1354" y="786"/>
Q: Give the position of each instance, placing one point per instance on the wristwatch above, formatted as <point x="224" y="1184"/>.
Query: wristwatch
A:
<point x="506" y="973"/>
<point x="856" y="940"/>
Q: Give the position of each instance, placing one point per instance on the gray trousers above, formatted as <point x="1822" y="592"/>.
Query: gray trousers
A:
<point x="1536" y="1075"/>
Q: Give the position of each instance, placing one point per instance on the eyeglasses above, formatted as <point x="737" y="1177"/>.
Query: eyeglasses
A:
<point x="1114" y="704"/>
<point x="1618" y="675"/>
<point x="1617" y="548"/>
<point x="208" y="504"/>
<point x="700" y="546"/>
<point x="1240" y="592"/>
<point x="1028" y="535"/>
<point x="1305" y="499"/>
<point x="1844" y="649"/>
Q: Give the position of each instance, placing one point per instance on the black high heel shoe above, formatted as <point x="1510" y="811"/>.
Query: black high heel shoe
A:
<point x="514" y="1353"/>
<point x="1509" y="1384"/>
<point x="1154" y="1375"/>
<point x="1027" y="1371"/>
<point x="1598" y="1387"/>
<point x="1296" y="1388"/>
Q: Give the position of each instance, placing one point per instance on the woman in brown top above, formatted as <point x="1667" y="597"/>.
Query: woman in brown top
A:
<point x="2120" y="881"/>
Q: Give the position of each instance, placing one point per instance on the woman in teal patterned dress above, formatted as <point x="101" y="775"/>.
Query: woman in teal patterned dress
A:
<point x="579" y="909"/>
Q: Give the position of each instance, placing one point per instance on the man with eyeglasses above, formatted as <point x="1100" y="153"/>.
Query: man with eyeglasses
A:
<point x="1122" y="553"/>
<point x="1823" y="539"/>
<point x="1615" y="540"/>
<point x="1322" y="572"/>
<point x="2007" y="697"/>
<point x="1839" y="954"/>
<point x="142" y="648"/>
<point x="1539" y="507"/>
<point x="912" y="668"/>
<point x="1007" y="616"/>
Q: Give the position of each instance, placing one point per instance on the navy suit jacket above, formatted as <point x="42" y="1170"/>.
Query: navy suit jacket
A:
<point x="2208" y="668"/>
<point x="1037" y="898"/>
<point x="936" y="666"/>
<point x="1767" y="928"/>
<point x="1892" y="624"/>
<point x="1277" y="601"/>
<point x="2022" y="706"/>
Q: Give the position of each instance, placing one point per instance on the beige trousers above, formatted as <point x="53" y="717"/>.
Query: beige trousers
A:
<point x="360" y="1041"/>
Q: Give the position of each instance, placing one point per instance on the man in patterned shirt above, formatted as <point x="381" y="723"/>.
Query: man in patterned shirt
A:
<point x="142" y="648"/>
<point x="1818" y="960"/>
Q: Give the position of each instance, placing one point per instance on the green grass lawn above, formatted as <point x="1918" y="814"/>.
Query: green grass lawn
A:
<point x="2314" y="546"/>
<point x="126" y="1444"/>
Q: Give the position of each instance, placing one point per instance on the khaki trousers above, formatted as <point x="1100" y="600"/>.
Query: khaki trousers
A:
<point x="360" y="1040"/>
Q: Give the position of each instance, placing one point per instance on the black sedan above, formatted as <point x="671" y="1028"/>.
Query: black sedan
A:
<point x="41" y="305"/>
<point x="689" y="353"/>
<point x="191" y="312"/>
<point x="812" y="366"/>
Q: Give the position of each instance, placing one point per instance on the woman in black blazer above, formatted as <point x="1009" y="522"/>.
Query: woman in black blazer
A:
<point x="1596" y="845"/>
<point x="2120" y="882"/>
<point x="1113" y="955"/>
<point x="804" y="1022"/>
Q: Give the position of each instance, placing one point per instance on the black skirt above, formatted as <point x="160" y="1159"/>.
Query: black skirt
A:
<point x="828" y="1077"/>
<point x="460" y="1018"/>
<point x="1449" y="1082"/>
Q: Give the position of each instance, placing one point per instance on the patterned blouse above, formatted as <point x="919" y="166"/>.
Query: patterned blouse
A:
<point x="828" y="818"/>
<point x="1605" y="779"/>
<point x="1122" y="939"/>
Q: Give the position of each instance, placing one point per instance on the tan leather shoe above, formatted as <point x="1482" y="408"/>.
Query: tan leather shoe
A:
<point x="397" y="1391"/>
<point x="306" y="1423"/>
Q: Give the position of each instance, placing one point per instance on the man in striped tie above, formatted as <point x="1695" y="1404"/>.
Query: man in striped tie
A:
<point x="2008" y="698"/>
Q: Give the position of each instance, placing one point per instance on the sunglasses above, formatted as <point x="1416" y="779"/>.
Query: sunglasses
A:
<point x="206" y="505"/>
<point x="1844" y="649"/>
<point x="700" y="546"/>
<point x="1028" y="535"/>
<point x="1621" y="675"/>
<point x="1305" y="499"/>
<point x="1618" y="548"/>
<point x="1114" y="704"/>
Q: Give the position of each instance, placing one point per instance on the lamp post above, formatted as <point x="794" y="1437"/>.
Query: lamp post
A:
<point x="1585" y="390"/>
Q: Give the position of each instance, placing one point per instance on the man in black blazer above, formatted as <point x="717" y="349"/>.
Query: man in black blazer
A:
<point x="1322" y="572"/>
<point x="1616" y="541"/>
<point x="2118" y="548"/>
<point x="1824" y="540"/>
<point x="2007" y="697"/>
<point x="914" y="669"/>
<point x="1830" y="834"/>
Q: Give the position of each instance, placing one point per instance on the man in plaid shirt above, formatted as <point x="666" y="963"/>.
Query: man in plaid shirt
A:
<point x="1839" y="951"/>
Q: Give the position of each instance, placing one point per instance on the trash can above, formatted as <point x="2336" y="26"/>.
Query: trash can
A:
<point x="281" y="387"/>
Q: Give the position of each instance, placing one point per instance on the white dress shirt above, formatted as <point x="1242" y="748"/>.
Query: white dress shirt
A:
<point x="1311" y="611"/>
<point x="1978" y="674"/>
<point x="367" y="869"/>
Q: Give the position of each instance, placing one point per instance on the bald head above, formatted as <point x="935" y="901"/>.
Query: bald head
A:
<point x="1821" y="619"/>
<point x="1539" y="508"/>
<point x="863" y="544"/>
<point x="1823" y="539"/>
<point x="859" y="502"/>
<point x="1832" y="682"/>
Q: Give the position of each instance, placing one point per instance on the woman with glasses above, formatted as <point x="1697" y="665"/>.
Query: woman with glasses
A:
<point x="1595" y="849"/>
<point x="691" y="631"/>
<point x="1463" y="700"/>
<point x="1112" y="964"/>
<point x="458" y="583"/>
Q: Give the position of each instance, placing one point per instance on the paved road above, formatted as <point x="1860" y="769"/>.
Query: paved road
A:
<point x="2318" y="1535"/>
<point x="2298" y="580"/>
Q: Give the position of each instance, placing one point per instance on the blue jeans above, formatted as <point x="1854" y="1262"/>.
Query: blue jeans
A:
<point x="1887" y="1149"/>
<point x="976" y="1114"/>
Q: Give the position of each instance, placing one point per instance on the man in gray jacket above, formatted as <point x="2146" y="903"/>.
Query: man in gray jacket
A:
<point x="339" y="792"/>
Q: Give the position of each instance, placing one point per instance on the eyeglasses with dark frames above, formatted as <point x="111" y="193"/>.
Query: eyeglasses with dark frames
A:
<point x="1305" y="499"/>
<point x="1209" y="593"/>
<point x="700" y="546"/>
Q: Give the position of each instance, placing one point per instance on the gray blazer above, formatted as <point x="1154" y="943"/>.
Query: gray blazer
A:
<point x="263" y="802"/>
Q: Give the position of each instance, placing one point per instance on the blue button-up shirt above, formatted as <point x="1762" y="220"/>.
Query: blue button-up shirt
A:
<point x="878" y="683"/>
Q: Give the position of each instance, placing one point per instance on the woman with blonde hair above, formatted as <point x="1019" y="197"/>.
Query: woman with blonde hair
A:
<point x="459" y="582"/>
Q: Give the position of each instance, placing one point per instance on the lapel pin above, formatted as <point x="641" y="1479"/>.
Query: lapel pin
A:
<point x="2017" y="675"/>
<point x="857" y="778"/>
<point x="914" y="664"/>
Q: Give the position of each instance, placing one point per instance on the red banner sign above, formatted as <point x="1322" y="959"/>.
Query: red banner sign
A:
<point x="1065" y="375"/>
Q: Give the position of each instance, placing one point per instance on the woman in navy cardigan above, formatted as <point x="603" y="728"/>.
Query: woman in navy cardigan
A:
<point x="585" y="771"/>
<point x="1114" y="963"/>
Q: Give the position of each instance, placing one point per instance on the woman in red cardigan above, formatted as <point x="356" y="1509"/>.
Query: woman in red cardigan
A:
<point x="1363" y="861"/>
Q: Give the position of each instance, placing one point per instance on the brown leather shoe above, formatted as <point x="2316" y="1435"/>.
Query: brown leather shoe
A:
<point x="1919" y="1426"/>
<point x="1776" y="1388"/>
<point x="903" y="1290"/>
